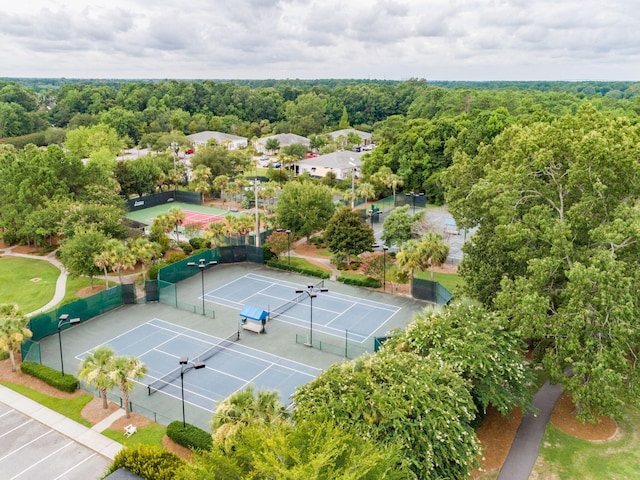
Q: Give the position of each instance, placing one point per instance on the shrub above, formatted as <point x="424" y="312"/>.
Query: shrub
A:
<point x="364" y="282"/>
<point x="198" y="243"/>
<point x="321" y="273"/>
<point x="50" y="376"/>
<point x="148" y="462"/>
<point x="152" y="273"/>
<point x="186" y="247"/>
<point x="176" y="257"/>
<point x="189" y="436"/>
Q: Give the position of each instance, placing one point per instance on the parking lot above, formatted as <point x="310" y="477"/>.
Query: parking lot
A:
<point x="31" y="450"/>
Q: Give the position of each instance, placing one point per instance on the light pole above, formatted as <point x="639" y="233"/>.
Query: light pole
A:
<point x="353" y="183"/>
<point x="413" y="199"/>
<point x="288" y="232"/>
<point x="191" y="366"/>
<point x="202" y="264"/>
<point x="312" y="293"/>
<point x="175" y="147"/>
<point x="384" y="265"/>
<point x="62" y="321"/>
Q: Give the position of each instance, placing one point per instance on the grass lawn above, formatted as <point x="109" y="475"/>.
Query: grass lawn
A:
<point x="303" y="263"/>
<point x="69" y="407"/>
<point x="19" y="285"/>
<point x="448" y="280"/>
<point x="565" y="457"/>
<point x="148" y="435"/>
<point x="77" y="283"/>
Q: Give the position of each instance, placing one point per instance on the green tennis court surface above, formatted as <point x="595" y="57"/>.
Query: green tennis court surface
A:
<point x="147" y="214"/>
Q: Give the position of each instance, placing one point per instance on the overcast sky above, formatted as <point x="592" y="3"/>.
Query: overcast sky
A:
<point x="385" y="39"/>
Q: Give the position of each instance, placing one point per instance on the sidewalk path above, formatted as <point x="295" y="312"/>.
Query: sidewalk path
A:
<point x="526" y="444"/>
<point x="61" y="283"/>
<point x="88" y="437"/>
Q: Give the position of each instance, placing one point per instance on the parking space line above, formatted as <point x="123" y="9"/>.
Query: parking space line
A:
<point x="64" y="475"/>
<point x="42" y="460"/>
<point x="26" y="444"/>
<point x="16" y="428"/>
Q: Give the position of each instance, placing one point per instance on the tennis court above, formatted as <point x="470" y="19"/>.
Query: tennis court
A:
<point x="230" y="366"/>
<point x="333" y="313"/>
<point x="196" y="213"/>
<point x="195" y="218"/>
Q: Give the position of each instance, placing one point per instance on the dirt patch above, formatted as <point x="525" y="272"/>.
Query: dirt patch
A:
<point x="88" y="291"/>
<point x="94" y="413"/>
<point x="179" y="450"/>
<point x="496" y="435"/>
<point x="135" y="419"/>
<point x="564" y="418"/>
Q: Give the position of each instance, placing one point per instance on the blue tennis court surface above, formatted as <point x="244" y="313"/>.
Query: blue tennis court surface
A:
<point x="333" y="313"/>
<point x="160" y="345"/>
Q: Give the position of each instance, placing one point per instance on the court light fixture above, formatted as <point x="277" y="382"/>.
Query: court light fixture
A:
<point x="63" y="321"/>
<point x="187" y="366"/>
<point x="202" y="265"/>
<point x="312" y="292"/>
<point x="288" y="232"/>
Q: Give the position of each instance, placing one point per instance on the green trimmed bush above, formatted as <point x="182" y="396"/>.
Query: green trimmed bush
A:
<point x="152" y="273"/>
<point x="321" y="273"/>
<point x="147" y="461"/>
<point x="50" y="376"/>
<point x="176" y="257"/>
<point x="186" y="247"/>
<point x="198" y="243"/>
<point x="189" y="436"/>
<point x="367" y="282"/>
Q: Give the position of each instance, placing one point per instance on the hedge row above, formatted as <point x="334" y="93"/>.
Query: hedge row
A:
<point x="50" y="376"/>
<point x="321" y="273"/>
<point x="367" y="282"/>
<point x="189" y="436"/>
<point x="148" y="462"/>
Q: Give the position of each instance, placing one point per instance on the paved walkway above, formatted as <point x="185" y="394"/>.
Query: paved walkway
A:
<point x="89" y="437"/>
<point x="526" y="444"/>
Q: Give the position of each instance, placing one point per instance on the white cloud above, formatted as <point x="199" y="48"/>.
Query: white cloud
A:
<point x="394" y="39"/>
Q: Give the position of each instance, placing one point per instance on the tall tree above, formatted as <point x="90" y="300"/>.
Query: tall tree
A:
<point x="95" y="369"/>
<point x="556" y="249"/>
<point x="124" y="370"/>
<point x="304" y="208"/>
<point x="346" y="234"/>
<point x="78" y="253"/>
<point x="13" y="331"/>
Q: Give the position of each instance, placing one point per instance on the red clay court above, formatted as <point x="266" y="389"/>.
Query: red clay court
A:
<point x="202" y="219"/>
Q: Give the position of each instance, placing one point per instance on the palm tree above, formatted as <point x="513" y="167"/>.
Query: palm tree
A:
<point x="434" y="249"/>
<point x="244" y="408"/>
<point x="145" y="252"/>
<point x="366" y="190"/>
<point x="220" y="183"/>
<point x="123" y="373"/>
<point x="409" y="258"/>
<point x="176" y="217"/>
<point x="120" y="257"/>
<point x="214" y="232"/>
<point x="13" y="331"/>
<point x="95" y="370"/>
<point x="200" y="180"/>
<point x="102" y="260"/>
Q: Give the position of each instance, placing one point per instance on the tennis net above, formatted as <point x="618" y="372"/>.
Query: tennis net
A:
<point x="174" y="374"/>
<point x="279" y="310"/>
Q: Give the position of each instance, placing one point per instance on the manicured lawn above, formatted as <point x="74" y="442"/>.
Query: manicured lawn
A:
<point x="302" y="263"/>
<point x="17" y="276"/>
<point x="70" y="407"/>
<point x="28" y="283"/>
<point x="448" y="280"/>
<point x="565" y="457"/>
<point x="148" y="435"/>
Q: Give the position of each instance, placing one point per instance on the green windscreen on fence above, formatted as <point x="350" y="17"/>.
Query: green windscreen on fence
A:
<point x="30" y="351"/>
<point x="424" y="289"/>
<point x="178" y="271"/>
<point x="86" y="308"/>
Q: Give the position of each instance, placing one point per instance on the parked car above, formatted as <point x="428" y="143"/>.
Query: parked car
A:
<point x="277" y="165"/>
<point x="189" y="151"/>
<point x="265" y="158"/>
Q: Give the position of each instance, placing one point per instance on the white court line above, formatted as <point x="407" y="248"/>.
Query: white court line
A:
<point x="42" y="460"/>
